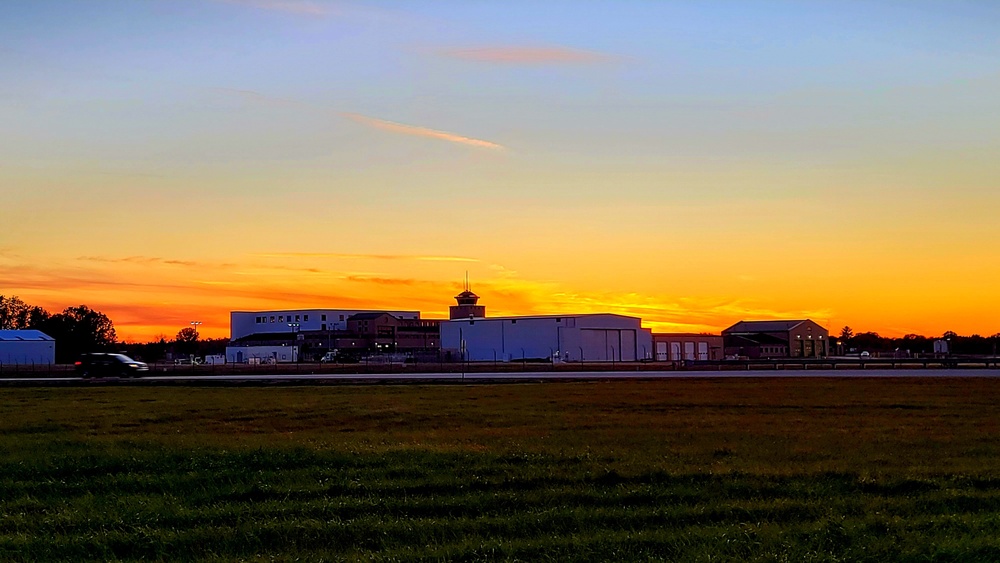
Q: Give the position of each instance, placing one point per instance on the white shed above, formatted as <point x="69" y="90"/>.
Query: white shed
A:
<point x="26" y="347"/>
<point x="262" y="354"/>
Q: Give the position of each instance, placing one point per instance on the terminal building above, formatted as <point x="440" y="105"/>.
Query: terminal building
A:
<point x="247" y="323"/>
<point x="602" y="337"/>
<point x="776" y="339"/>
<point x="316" y="332"/>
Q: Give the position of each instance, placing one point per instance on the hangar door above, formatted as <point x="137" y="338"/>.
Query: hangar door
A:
<point x="661" y="352"/>
<point x="608" y="345"/>
<point x="628" y="351"/>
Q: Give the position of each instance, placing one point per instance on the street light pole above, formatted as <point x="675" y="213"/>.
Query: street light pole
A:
<point x="295" y="330"/>
<point x="195" y="324"/>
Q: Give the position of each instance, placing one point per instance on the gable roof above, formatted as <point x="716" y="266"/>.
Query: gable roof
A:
<point x="760" y="339"/>
<point x="24" y="336"/>
<point x="763" y="326"/>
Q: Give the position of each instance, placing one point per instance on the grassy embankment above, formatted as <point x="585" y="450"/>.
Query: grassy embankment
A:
<point x="784" y="469"/>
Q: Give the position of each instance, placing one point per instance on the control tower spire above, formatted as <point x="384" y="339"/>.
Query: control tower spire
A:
<point x="467" y="307"/>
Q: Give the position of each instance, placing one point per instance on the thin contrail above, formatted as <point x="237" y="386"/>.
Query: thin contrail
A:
<point x="420" y="131"/>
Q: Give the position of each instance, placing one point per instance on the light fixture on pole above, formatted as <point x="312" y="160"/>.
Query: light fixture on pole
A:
<point x="295" y="335"/>
<point x="195" y="325"/>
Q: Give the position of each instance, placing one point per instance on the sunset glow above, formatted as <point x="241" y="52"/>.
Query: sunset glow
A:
<point x="690" y="163"/>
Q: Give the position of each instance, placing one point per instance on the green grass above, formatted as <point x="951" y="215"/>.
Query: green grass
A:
<point x="691" y="470"/>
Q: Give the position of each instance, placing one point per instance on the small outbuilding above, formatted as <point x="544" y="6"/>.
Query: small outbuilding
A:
<point x="679" y="346"/>
<point x="26" y="347"/>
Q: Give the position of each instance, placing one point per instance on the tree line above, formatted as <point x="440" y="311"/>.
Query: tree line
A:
<point x="973" y="345"/>
<point x="76" y="329"/>
<point x="80" y="329"/>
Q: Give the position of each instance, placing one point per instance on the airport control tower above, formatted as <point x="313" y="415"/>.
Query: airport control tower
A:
<point x="467" y="308"/>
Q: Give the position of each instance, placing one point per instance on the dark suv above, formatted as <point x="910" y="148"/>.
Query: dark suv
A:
<point x="109" y="365"/>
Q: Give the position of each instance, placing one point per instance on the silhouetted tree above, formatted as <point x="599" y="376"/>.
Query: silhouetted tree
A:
<point x="846" y="334"/>
<point x="78" y="330"/>
<point x="870" y="341"/>
<point x="187" y="335"/>
<point x="18" y="315"/>
<point x="915" y="343"/>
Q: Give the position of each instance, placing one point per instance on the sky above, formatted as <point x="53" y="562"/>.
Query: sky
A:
<point x="693" y="163"/>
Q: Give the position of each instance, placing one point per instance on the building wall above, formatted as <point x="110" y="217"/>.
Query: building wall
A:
<point x="247" y="354"/>
<point x="26" y="347"/>
<point x="673" y="347"/>
<point x="244" y="323"/>
<point x="808" y="340"/>
<point x="573" y="338"/>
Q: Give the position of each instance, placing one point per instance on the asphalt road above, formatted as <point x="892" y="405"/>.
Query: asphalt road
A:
<point x="307" y="379"/>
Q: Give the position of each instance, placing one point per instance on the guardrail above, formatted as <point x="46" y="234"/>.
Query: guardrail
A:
<point x="954" y="362"/>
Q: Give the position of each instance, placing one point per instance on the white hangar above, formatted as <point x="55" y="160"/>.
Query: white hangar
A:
<point x="25" y="347"/>
<point x="601" y="337"/>
<point x="569" y="338"/>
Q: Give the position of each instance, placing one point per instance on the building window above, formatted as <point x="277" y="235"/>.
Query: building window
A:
<point x="513" y="321"/>
<point x="341" y="317"/>
<point x="272" y="318"/>
<point x="558" y="319"/>
<point x="306" y="318"/>
<point x="281" y="318"/>
<point x="296" y="318"/>
<point x="322" y="317"/>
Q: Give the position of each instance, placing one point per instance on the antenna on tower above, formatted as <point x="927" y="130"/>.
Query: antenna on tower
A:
<point x="466" y="280"/>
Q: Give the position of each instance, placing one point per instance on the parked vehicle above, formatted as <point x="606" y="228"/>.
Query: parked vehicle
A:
<point x="109" y="365"/>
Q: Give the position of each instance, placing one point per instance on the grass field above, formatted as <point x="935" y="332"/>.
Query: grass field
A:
<point x="689" y="470"/>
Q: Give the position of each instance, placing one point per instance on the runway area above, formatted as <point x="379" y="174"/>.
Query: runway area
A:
<point x="485" y="377"/>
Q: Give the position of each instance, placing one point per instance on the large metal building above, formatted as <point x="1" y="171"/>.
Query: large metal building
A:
<point x="571" y="338"/>
<point x="26" y="347"/>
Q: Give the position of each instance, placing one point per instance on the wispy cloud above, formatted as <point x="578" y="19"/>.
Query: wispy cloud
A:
<point x="137" y="260"/>
<point x="383" y="280"/>
<point x="421" y="131"/>
<point x="366" y="256"/>
<point x="298" y="7"/>
<point x="529" y="55"/>
<point x="382" y="124"/>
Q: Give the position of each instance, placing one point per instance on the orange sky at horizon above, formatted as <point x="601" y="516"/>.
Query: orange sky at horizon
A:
<point x="149" y="297"/>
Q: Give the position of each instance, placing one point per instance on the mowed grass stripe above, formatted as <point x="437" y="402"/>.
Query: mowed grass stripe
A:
<point x="265" y="510"/>
<point x="733" y="470"/>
